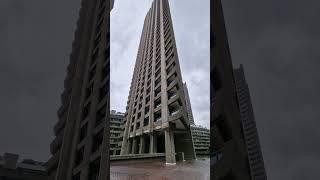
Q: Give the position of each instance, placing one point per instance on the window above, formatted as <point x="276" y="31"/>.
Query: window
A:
<point x="83" y="132"/>
<point x="97" y="141"/>
<point x="79" y="156"/>
<point x="146" y="121"/>
<point x="85" y="111"/>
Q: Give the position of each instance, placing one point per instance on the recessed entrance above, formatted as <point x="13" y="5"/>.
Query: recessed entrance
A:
<point x="161" y="144"/>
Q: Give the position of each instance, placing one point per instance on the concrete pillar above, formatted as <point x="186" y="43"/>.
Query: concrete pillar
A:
<point x="151" y="144"/>
<point x="155" y="138"/>
<point x="170" y="149"/>
<point x="134" y="145"/>
<point x="142" y="144"/>
<point x="128" y="149"/>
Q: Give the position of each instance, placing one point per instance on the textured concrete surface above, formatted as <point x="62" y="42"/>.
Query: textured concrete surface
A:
<point x="158" y="170"/>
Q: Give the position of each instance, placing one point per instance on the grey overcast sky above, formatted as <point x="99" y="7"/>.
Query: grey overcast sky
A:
<point x="192" y="31"/>
<point x="277" y="42"/>
<point x="35" y="43"/>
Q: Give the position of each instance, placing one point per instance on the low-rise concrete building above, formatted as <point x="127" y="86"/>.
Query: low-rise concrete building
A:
<point x="116" y="132"/>
<point x="13" y="169"/>
<point x="201" y="139"/>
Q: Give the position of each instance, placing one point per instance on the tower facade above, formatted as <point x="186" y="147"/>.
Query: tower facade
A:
<point x="250" y="133"/>
<point x="188" y="104"/>
<point x="156" y="116"/>
<point x="81" y="146"/>
<point x="229" y="160"/>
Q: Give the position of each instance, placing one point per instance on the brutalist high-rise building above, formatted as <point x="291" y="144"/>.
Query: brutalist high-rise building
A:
<point x="188" y="104"/>
<point x="229" y="160"/>
<point x="156" y="116"/>
<point x="80" y="149"/>
<point x="255" y="158"/>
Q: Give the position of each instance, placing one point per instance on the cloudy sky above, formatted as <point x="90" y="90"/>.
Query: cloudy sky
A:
<point x="35" y="43"/>
<point x="192" y="31"/>
<point x="277" y="42"/>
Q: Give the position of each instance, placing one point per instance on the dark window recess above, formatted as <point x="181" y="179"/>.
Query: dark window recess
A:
<point x="157" y="91"/>
<point x="158" y="72"/>
<point x="105" y="71"/>
<point x="94" y="169"/>
<point x="89" y="90"/>
<point x="79" y="156"/>
<point x="101" y="114"/>
<point x="97" y="141"/>
<point x="85" y="111"/>
<point x="94" y="56"/>
<point x="131" y="129"/>
<point x="171" y="67"/>
<point x="103" y="91"/>
<point x="157" y="103"/>
<point x="140" y="106"/>
<point x="76" y="177"/>
<point x="139" y="115"/>
<point x="146" y="121"/>
<point x="92" y="73"/>
<point x="157" y="116"/>
<point x="146" y="110"/>
<point x="132" y="119"/>
<point x="83" y="132"/>
<point x="138" y="125"/>
<point x="157" y="81"/>
<point x="147" y="99"/>
<point x="97" y="40"/>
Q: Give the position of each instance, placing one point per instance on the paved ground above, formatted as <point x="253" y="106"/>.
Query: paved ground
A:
<point x="158" y="170"/>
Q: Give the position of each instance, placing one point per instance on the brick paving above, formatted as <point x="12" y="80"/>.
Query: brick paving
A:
<point x="158" y="170"/>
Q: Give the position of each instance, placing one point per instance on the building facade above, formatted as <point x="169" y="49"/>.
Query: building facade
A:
<point x="201" y="140"/>
<point x="188" y="103"/>
<point x="255" y="158"/>
<point x="116" y="132"/>
<point x="13" y="169"/>
<point x="228" y="149"/>
<point x="80" y="149"/>
<point x="156" y="116"/>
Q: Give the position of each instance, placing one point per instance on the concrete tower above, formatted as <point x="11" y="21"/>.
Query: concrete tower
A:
<point x="188" y="104"/>
<point x="229" y="160"/>
<point x="255" y="158"/>
<point x="80" y="149"/>
<point x="156" y="116"/>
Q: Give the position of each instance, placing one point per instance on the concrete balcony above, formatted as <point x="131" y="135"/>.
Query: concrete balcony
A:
<point x="172" y="84"/>
<point x="139" y="132"/>
<point x="146" y="129"/>
<point x="132" y="134"/>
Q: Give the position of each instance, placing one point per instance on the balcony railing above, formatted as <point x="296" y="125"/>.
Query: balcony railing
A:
<point x="174" y="112"/>
<point x="172" y="96"/>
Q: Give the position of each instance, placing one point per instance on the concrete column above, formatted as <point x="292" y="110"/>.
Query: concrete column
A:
<point x="128" y="149"/>
<point x="155" y="143"/>
<point x="134" y="145"/>
<point x="170" y="149"/>
<point x="142" y="144"/>
<point x="151" y="144"/>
